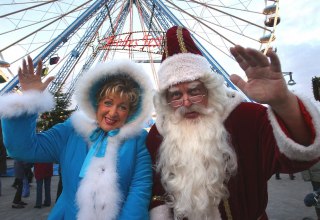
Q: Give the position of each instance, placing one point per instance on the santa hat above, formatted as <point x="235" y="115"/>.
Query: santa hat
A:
<point x="181" y="61"/>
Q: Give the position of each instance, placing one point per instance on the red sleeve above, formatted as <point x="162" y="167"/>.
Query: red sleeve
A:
<point x="153" y="142"/>
<point x="307" y="118"/>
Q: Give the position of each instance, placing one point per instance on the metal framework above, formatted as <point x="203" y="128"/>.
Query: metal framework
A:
<point x="155" y="17"/>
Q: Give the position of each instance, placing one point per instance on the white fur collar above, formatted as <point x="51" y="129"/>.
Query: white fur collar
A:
<point x="101" y="176"/>
<point x="99" y="196"/>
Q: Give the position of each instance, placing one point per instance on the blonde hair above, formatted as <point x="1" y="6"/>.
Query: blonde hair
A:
<point x="121" y="85"/>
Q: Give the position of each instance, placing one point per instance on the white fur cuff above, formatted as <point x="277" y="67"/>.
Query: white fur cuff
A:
<point x="292" y="149"/>
<point x="30" y="102"/>
<point x="161" y="212"/>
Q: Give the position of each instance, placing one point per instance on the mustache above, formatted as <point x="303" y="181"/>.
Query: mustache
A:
<point x="181" y="111"/>
<point x="194" y="108"/>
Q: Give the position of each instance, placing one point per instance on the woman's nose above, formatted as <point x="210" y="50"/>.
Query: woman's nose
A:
<point x="113" y="111"/>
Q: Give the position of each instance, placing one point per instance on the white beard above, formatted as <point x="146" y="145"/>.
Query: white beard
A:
<point x="196" y="161"/>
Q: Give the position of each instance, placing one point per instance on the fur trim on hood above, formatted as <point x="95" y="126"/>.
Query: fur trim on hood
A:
<point x="93" y="80"/>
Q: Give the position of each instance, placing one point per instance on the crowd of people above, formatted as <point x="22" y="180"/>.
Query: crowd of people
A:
<point x="209" y="154"/>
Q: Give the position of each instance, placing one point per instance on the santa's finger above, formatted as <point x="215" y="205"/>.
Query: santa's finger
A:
<point x="247" y="57"/>
<point x="239" y="82"/>
<point x="259" y="58"/>
<point x="275" y="62"/>
<point x="240" y="60"/>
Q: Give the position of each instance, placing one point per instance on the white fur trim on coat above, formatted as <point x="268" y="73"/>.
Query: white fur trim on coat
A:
<point x="83" y="124"/>
<point x="30" y="102"/>
<point x="101" y="177"/>
<point x="182" y="67"/>
<point x="292" y="149"/>
<point x="161" y="212"/>
<point x="234" y="99"/>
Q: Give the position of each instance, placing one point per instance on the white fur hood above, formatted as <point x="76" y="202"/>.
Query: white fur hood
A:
<point x="91" y="81"/>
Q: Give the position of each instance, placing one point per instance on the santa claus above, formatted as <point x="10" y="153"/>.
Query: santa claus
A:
<point x="213" y="153"/>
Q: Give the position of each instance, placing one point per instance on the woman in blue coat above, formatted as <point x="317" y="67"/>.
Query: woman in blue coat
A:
<point x="105" y="166"/>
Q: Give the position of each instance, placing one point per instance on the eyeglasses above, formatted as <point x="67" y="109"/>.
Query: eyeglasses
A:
<point x="192" y="99"/>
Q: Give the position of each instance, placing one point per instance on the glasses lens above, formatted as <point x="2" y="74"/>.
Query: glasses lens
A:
<point x="176" y="103"/>
<point x="196" y="99"/>
<point x="192" y="99"/>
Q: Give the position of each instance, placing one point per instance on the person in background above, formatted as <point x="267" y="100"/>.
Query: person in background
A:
<point x="212" y="152"/>
<point x="313" y="175"/>
<point x="59" y="189"/>
<point x="27" y="180"/>
<point x="19" y="173"/>
<point x="43" y="173"/>
<point x="3" y="159"/>
<point x="105" y="165"/>
<point x="291" y="176"/>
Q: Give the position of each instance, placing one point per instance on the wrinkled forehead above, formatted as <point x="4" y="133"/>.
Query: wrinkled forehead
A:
<point x="187" y="85"/>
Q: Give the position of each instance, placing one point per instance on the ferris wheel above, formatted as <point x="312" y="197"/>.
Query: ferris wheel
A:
<point x="70" y="36"/>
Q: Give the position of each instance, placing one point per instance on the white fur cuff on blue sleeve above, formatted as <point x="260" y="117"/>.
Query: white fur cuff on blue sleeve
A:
<point x="30" y="102"/>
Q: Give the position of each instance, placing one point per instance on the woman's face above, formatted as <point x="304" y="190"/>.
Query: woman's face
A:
<point x="112" y="112"/>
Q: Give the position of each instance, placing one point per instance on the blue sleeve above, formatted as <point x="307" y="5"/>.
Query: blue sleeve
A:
<point x="23" y="143"/>
<point x="137" y="203"/>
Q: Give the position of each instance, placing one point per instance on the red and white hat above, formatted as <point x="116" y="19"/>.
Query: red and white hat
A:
<point x="182" y="61"/>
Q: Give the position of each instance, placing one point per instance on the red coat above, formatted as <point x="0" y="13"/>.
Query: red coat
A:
<point x="43" y="170"/>
<point x="258" y="158"/>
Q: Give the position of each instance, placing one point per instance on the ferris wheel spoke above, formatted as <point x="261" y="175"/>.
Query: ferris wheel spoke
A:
<point x="132" y="29"/>
<point x="25" y="9"/>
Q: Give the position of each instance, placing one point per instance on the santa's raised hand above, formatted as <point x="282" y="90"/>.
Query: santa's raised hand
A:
<point x="266" y="83"/>
<point x="30" y="80"/>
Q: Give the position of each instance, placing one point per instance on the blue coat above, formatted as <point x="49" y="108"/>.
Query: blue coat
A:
<point x="62" y="144"/>
<point x="117" y="183"/>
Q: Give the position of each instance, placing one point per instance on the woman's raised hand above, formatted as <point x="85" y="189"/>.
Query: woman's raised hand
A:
<point x="30" y="80"/>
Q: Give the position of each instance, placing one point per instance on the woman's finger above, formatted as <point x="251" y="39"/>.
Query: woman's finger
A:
<point x="24" y="66"/>
<point x="49" y="80"/>
<point x="39" y="68"/>
<point x="20" y="74"/>
<point x="30" y="65"/>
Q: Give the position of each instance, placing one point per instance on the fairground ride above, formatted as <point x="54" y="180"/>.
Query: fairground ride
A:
<point x="70" y="36"/>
